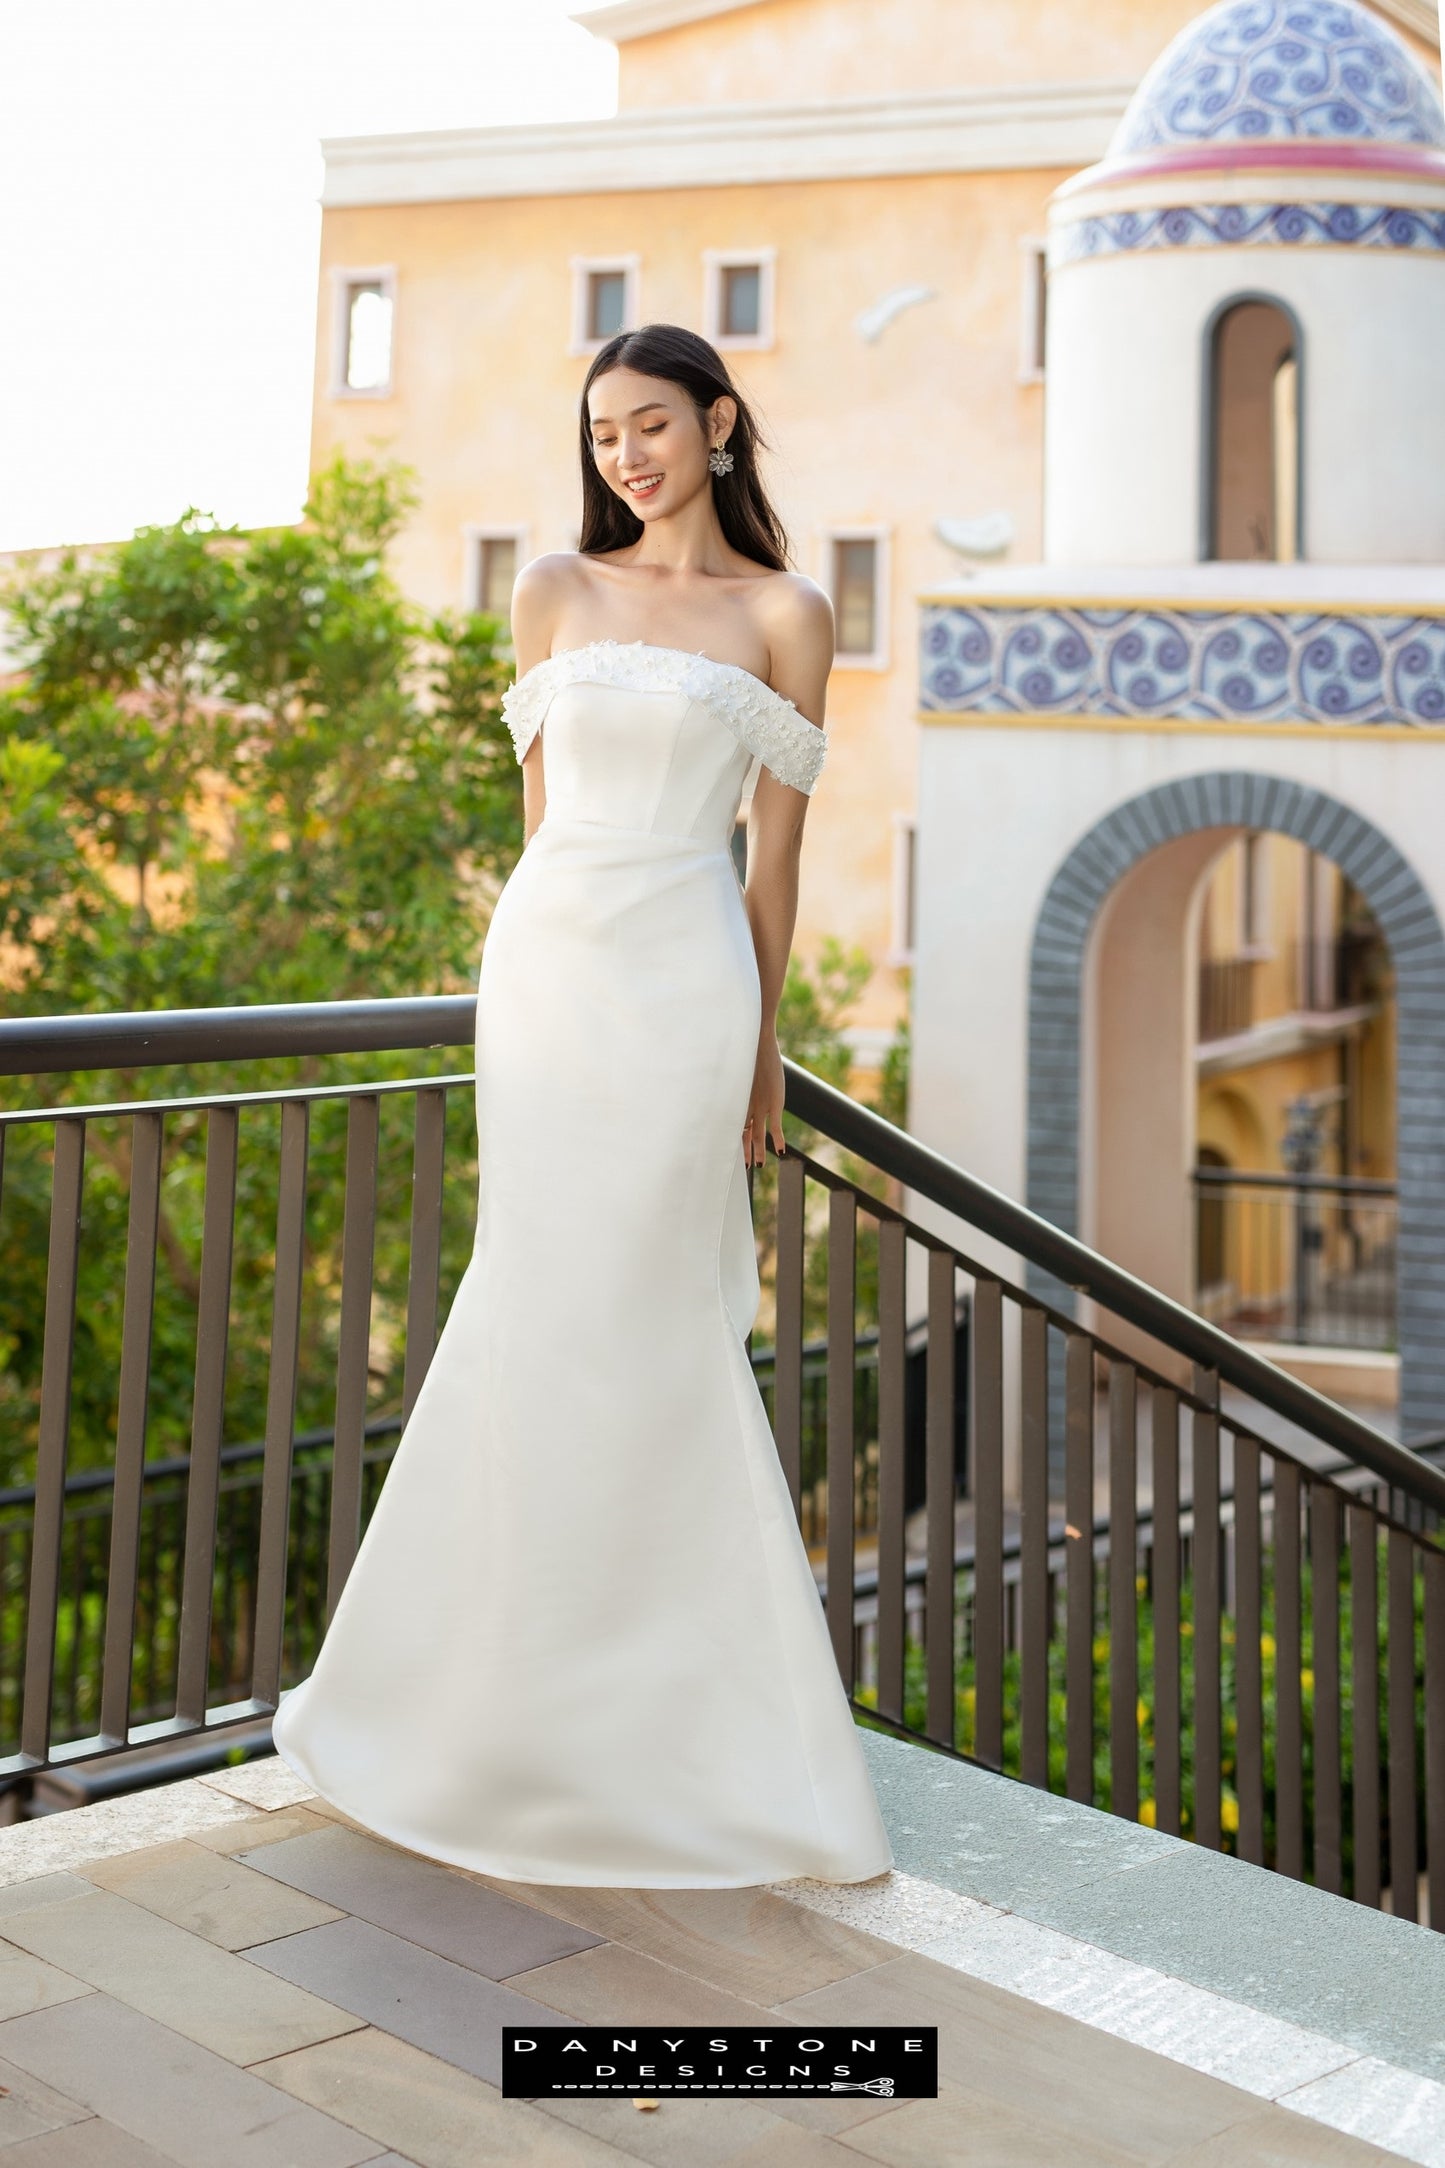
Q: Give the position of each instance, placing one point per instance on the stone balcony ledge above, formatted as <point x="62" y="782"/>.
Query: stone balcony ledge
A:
<point x="227" y="1970"/>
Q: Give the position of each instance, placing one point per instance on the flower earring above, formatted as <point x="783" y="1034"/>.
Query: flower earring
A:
<point x="720" y="460"/>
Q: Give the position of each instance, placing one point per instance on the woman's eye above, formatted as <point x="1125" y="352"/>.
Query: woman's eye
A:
<point x="655" y="429"/>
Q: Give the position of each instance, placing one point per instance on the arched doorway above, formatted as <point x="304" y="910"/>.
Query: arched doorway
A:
<point x="1252" y="422"/>
<point x="1058" y="1070"/>
<point x="1295" y="1096"/>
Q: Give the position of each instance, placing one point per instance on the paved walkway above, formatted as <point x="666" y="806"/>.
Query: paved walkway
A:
<point x="226" y="1973"/>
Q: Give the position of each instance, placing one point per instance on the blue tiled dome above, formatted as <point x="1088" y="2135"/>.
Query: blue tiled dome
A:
<point x="1262" y="71"/>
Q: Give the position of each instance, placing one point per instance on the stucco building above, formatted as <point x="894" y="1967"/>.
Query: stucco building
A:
<point x="1236" y="631"/>
<point x="853" y="200"/>
<point x="1113" y="333"/>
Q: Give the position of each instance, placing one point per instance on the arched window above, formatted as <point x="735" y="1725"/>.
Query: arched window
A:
<point x="1252" y="433"/>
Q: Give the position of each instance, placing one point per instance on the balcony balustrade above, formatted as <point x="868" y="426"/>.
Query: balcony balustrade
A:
<point x="1187" y="1589"/>
<point x="1304" y="1259"/>
<point x="1226" y="997"/>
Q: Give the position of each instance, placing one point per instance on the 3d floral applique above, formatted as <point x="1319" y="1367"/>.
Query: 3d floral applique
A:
<point x="766" y="724"/>
<point x="526" y="703"/>
<point x="760" y="719"/>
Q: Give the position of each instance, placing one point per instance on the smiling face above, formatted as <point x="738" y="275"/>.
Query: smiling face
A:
<point x="650" y="445"/>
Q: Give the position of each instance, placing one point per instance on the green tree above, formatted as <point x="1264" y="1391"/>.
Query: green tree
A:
<point x="237" y="768"/>
<point x="815" y="1007"/>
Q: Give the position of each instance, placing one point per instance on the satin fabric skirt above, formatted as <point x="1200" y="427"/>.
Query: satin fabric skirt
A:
<point x="581" y="1642"/>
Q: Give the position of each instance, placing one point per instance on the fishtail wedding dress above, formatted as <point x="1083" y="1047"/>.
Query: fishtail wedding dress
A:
<point x="581" y="1641"/>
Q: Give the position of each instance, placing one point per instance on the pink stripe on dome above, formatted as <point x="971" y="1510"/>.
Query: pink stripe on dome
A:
<point x="1307" y="155"/>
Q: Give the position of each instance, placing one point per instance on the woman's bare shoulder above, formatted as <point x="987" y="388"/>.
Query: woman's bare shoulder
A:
<point x="796" y="618"/>
<point x="541" y="594"/>
<point x="791" y="603"/>
<point x="554" y="574"/>
<point x="544" y="595"/>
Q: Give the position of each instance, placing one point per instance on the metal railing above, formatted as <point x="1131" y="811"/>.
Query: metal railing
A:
<point x="1273" y="1616"/>
<point x="813" y="1452"/>
<point x="1308" y="1259"/>
<point x="1230" y="1623"/>
<point x="1226" y="997"/>
<point x="1345" y="970"/>
<point x="89" y="1531"/>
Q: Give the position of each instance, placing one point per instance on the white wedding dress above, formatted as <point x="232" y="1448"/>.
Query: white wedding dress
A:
<point x="581" y="1642"/>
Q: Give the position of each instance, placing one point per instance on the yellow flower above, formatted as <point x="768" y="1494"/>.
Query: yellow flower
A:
<point x="1307" y="1682"/>
<point x="1141" y="1584"/>
<point x="1146" y="1813"/>
<point x="970" y="1696"/>
<point x="1228" y="1812"/>
<point x="1185" y="1627"/>
<point x="1266" y="1644"/>
<point x="1101" y="1649"/>
<point x="1141" y="1713"/>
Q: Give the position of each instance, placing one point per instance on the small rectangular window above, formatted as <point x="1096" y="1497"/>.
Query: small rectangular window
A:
<point x="742" y="293"/>
<point x="855" y="595"/>
<point x="604" y="299"/>
<point x="496" y="571"/>
<point x="737" y="306"/>
<point x="363" y="336"/>
<point x="606" y="303"/>
<point x="905" y="889"/>
<point x="368" y="342"/>
<point x="493" y="557"/>
<point x="1033" y="331"/>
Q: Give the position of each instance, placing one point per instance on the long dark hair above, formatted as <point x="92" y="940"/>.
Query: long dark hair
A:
<point x="680" y="357"/>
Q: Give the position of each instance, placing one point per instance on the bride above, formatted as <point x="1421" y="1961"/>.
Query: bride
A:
<point x="581" y="1641"/>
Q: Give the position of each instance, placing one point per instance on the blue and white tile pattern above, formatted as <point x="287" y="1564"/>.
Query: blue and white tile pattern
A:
<point x="1169" y="661"/>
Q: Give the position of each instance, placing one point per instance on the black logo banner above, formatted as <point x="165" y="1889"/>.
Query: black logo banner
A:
<point x="892" y="2062"/>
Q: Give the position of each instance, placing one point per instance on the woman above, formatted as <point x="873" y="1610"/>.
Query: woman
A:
<point x="581" y="1642"/>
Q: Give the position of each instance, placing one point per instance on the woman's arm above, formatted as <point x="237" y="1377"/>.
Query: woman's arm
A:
<point x="801" y="642"/>
<point x="536" y="595"/>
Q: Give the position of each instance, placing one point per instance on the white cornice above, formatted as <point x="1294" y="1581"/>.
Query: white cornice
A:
<point x="1049" y="125"/>
<point x="640" y="18"/>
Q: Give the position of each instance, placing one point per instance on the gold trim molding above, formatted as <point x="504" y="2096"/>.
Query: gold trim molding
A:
<point x="1317" y="605"/>
<point x="1204" y="726"/>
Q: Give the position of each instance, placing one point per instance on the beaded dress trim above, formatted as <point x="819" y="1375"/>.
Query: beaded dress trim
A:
<point x="759" y="718"/>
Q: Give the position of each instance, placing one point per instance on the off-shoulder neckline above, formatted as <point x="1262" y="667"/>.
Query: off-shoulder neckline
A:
<point x="654" y="647"/>
<point x="772" y="727"/>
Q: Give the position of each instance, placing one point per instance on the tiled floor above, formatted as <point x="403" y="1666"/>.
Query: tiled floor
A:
<point x="221" y="1975"/>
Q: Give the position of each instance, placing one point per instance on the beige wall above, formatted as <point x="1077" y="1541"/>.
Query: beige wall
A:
<point x="930" y="421"/>
<point x="864" y="48"/>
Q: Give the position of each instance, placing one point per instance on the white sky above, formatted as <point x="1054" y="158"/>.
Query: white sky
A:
<point x="160" y="173"/>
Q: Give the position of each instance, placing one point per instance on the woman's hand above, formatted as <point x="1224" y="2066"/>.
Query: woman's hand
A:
<point x="765" y="1107"/>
